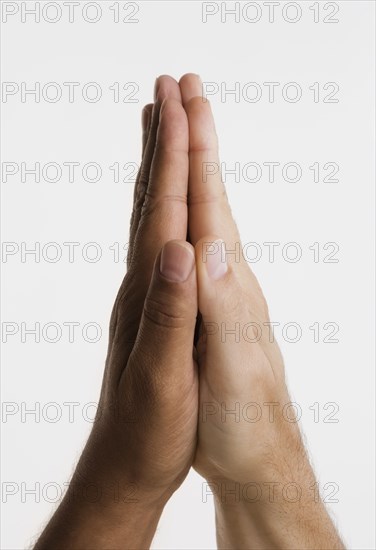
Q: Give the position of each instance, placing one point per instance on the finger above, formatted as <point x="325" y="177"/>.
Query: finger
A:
<point x="165" y="86"/>
<point x="146" y="123"/>
<point x="146" y="117"/>
<point x="163" y="218"/>
<point x="164" y="344"/>
<point x="146" y="120"/>
<point x="209" y="210"/>
<point x="164" y="212"/>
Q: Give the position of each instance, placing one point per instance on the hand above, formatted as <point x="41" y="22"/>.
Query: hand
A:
<point x="234" y="369"/>
<point x="244" y="440"/>
<point x="143" y="441"/>
<point x="151" y="379"/>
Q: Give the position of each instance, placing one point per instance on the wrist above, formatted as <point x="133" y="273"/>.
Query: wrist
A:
<point x="117" y="480"/>
<point x="103" y="515"/>
<point x="104" y="508"/>
<point x="273" y="480"/>
<point x="281" y="509"/>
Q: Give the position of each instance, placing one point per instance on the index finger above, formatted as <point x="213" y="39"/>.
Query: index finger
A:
<point x="209" y="209"/>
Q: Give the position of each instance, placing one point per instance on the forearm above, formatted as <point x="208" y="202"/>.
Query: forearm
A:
<point x="274" y="512"/>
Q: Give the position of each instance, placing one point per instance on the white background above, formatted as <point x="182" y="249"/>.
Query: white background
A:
<point x="171" y="38"/>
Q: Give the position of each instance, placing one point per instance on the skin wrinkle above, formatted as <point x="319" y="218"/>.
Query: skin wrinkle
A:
<point x="206" y="198"/>
<point x="152" y="202"/>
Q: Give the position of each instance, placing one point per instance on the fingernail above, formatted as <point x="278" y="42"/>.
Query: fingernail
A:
<point x="216" y="264"/>
<point x="176" y="262"/>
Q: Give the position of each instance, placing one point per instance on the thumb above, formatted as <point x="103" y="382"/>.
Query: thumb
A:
<point x="219" y="290"/>
<point x="166" y="332"/>
<point x="228" y="329"/>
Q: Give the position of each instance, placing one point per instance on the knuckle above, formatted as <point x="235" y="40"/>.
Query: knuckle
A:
<point x="164" y="313"/>
<point x="208" y="197"/>
<point x="148" y="381"/>
<point x="142" y="186"/>
<point x="153" y="203"/>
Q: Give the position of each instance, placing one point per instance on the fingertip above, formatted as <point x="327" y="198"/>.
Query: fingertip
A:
<point x="186" y="245"/>
<point x="211" y="257"/>
<point x="190" y="86"/>
<point x="189" y="76"/>
<point x="173" y="131"/>
<point x="204" y="240"/>
<point x="166" y="86"/>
